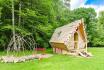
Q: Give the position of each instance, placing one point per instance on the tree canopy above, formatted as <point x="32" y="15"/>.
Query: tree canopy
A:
<point x="40" y="18"/>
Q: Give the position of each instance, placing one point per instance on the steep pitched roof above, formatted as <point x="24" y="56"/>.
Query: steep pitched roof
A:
<point x="65" y="32"/>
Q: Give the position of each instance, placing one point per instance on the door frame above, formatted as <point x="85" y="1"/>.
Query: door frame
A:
<point x="75" y="40"/>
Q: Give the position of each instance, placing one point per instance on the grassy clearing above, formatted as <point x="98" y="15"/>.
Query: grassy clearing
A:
<point x="61" y="62"/>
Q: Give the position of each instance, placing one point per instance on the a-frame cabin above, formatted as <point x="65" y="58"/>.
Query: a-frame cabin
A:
<point x="70" y="38"/>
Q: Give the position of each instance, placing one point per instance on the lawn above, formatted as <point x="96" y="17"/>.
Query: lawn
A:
<point x="61" y="62"/>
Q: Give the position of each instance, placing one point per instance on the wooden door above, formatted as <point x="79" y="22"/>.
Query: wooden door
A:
<point x="76" y="40"/>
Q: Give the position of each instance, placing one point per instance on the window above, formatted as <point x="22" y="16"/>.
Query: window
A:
<point x="59" y="33"/>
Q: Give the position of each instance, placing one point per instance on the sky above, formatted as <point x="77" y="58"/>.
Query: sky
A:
<point x="98" y="5"/>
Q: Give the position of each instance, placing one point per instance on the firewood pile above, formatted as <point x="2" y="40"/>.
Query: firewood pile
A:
<point x="13" y="59"/>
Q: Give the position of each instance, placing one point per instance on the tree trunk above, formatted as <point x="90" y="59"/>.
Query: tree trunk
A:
<point x="19" y="13"/>
<point x="13" y="24"/>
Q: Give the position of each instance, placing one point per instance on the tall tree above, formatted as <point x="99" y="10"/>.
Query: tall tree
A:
<point x="13" y="24"/>
<point x="99" y="36"/>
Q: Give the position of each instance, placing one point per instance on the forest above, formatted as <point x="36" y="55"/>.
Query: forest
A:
<point x="39" y="18"/>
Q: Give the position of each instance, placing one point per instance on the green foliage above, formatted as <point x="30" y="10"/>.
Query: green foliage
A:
<point x="41" y="17"/>
<point x="99" y="36"/>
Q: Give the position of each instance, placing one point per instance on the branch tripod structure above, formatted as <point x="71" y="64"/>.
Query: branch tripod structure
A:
<point x="19" y="42"/>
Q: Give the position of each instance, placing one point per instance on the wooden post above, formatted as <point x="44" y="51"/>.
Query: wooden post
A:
<point x="82" y="21"/>
<point x="86" y="46"/>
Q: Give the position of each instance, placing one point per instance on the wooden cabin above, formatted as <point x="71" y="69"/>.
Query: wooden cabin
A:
<point x="69" y="38"/>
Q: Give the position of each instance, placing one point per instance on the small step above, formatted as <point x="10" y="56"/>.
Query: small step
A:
<point x="85" y="54"/>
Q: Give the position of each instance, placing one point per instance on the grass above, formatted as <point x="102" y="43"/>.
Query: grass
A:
<point x="61" y="62"/>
